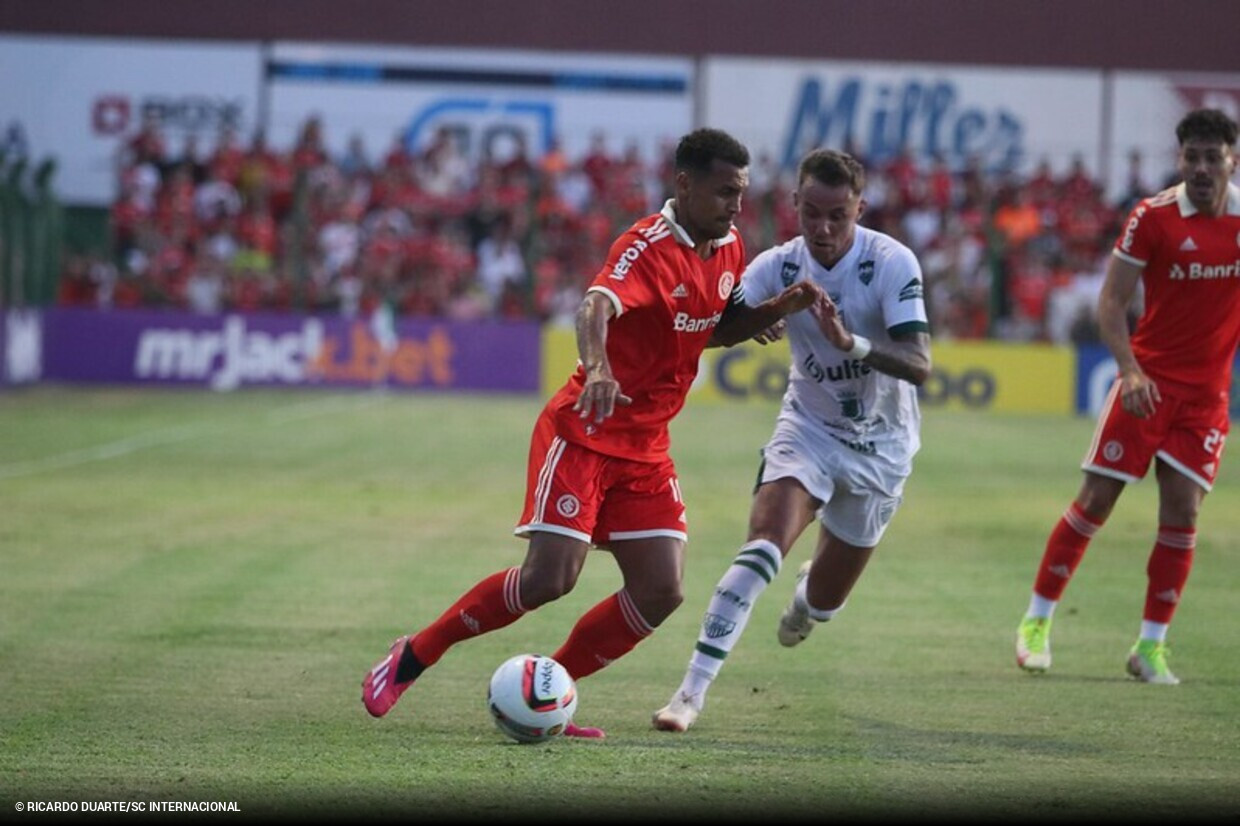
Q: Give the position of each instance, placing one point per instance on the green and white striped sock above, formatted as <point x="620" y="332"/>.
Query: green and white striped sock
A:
<point x="755" y="567"/>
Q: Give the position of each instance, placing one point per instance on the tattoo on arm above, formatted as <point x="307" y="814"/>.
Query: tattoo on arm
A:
<point x="908" y="359"/>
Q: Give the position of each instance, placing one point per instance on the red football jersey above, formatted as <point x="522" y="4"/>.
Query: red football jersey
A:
<point x="668" y="301"/>
<point x="1187" y="335"/>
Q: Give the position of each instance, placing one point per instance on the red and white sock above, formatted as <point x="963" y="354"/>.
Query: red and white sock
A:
<point x="1064" y="549"/>
<point x="1170" y="561"/>
<point x="604" y="634"/>
<point x="490" y="605"/>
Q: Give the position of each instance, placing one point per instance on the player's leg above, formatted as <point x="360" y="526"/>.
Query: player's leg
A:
<point x="823" y="585"/>
<point x="780" y="512"/>
<point x="1180" y="496"/>
<point x="550" y="570"/>
<point x="642" y="522"/>
<point x="561" y="504"/>
<point x="1065" y="547"/>
<point x="652" y="569"/>
<point x="1120" y="452"/>
<point x="854" y="519"/>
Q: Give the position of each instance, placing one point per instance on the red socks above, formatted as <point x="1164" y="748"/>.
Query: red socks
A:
<point x="606" y="632"/>
<point x="1168" y="568"/>
<point x="1064" y="549"/>
<point x="491" y="604"/>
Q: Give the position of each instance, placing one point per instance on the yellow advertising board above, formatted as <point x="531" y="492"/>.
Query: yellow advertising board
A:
<point x="1001" y="376"/>
<point x="983" y="375"/>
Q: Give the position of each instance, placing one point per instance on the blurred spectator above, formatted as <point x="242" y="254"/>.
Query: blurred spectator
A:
<point x="427" y="232"/>
<point x="1042" y="188"/>
<point x="204" y="289"/>
<point x="443" y="169"/>
<point x="190" y="159"/>
<point x="501" y="266"/>
<point x="227" y="158"/>
<point x="597" y="165"/>
<point x="354" y="162"/>
<point x="1016" y="219"/>
<point x="147" y="146"/>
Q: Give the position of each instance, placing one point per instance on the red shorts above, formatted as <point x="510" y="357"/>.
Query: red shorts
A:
<point x="600" y="499"/>
<point x="1187" y="435"/>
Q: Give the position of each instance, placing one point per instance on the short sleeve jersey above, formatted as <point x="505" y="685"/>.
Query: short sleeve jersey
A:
<point x="878" y="289"/>
<point x="1188" y="332"/>
<point x="668" y="301"/>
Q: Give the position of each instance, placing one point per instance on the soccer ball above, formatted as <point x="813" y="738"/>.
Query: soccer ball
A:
<point x="532" y="698"/>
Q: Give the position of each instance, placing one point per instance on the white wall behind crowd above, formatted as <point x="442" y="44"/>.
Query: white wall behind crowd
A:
<point x="78" y="98"/>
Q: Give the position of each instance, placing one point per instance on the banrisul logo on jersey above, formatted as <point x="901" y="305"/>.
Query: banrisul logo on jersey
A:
<point x="1198" y="271"/>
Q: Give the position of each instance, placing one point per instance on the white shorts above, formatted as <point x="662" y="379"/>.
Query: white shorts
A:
<point x="859" y="492"/>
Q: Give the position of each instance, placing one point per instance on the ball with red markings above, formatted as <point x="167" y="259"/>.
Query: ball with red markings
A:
<point x="532" y="698"/>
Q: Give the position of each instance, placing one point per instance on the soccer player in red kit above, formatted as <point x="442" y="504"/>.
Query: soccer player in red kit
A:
<point x="1169" y="403"/>
<point x="599" y="472"/>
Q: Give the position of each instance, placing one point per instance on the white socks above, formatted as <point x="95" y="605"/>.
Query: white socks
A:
<point x="1154" y="631"/>
<point x="1041" y="607"/>
<point x="754" y="567"/>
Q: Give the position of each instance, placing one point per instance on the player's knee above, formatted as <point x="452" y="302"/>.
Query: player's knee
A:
<point x="659" y="602"/>
<point x="1097" y="498"/>
<point x="538" y="587"/>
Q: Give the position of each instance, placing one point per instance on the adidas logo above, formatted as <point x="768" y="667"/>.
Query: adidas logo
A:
<point x="1061" y="571"/>
<point x="680" y="292"/>
<point x="1170" y="595"/>
<point x="471" y="623"/>
<point x="1188" y="244"/>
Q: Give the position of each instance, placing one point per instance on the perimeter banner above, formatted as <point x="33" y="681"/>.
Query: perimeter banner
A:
<point x="993" y="376"/>
<point x="227" y="352"/>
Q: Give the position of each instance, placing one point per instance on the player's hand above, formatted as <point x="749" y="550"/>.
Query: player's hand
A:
<point x="827" y="315"/>
<point x="1138" y="394"/>
<point x="599" y="397"/>
<point x="797" y="297"/>
<point x="773" y="333"/>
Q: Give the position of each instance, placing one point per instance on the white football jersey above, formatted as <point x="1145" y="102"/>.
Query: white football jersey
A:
<point x="878" y="289"/>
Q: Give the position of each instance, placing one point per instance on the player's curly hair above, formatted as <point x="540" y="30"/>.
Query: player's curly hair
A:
<point x="699" y="149"/>
<point x="1209" y="125"/>
<point x="833" y="168"/>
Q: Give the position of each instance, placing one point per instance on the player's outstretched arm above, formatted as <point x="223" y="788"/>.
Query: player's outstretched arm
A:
<point x="741" y="322"/>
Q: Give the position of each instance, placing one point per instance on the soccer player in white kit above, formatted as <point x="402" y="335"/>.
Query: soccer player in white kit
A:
<point x="848" y="427"/>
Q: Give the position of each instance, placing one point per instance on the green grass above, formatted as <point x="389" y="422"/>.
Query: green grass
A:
<point x="192" y="585"/>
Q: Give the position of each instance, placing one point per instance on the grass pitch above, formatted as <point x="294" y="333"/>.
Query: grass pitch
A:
<point x="192" y="586"/>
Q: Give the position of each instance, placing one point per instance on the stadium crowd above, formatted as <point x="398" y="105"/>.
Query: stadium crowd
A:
<point x="254" y="227"/>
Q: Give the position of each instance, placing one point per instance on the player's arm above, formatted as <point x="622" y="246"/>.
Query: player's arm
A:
<point x="741" y="321"/>
<point x="908" y="356"/>
<point x="601" y="392"/>
<point x="1138" y="392"/>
